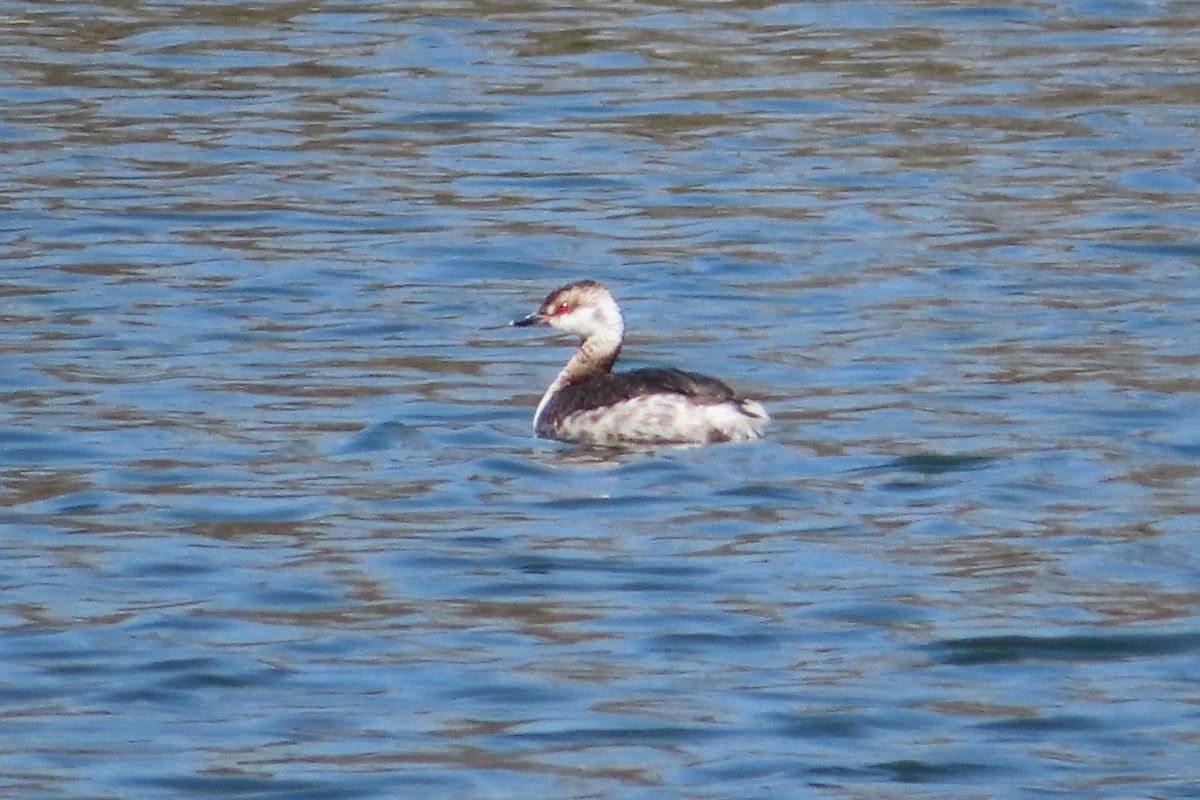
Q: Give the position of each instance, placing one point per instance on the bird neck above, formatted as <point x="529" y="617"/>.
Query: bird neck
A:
<point x="596" y="356"/>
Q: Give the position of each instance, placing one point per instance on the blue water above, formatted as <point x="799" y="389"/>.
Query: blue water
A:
<point x="273" y="522"/>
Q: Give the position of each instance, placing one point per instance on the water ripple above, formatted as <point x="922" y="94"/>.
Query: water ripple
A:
<point x="273" y="521"/>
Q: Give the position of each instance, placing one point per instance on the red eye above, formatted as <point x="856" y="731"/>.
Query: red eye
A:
<point x="562" y="309"/>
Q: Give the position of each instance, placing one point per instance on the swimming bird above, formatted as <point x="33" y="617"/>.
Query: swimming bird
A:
<point x="590" y="404"/>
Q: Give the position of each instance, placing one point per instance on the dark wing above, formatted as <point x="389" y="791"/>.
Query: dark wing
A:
<point x="700" y="387"/>
<point x="608" y="389"/>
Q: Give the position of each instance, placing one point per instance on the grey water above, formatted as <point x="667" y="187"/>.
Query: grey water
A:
<point x="273" y="520"/>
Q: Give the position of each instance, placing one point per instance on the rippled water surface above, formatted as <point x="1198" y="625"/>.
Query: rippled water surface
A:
<point x="273" y="522"/>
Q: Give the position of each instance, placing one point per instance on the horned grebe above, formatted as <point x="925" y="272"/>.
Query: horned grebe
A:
<point x="589" y="404"/>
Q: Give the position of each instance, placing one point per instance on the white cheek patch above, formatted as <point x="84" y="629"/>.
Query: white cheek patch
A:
<point x="580" y="320"/>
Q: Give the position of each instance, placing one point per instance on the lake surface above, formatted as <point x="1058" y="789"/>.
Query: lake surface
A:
<point x="273" y="522"/>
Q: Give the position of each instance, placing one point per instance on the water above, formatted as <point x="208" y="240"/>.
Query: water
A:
<point x="273" y="520"/>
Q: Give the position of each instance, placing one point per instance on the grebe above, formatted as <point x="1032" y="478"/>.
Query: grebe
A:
<point x="589" y="404"/>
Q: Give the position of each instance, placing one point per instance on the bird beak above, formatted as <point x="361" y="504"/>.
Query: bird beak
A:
<point x="535" y="318"/>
